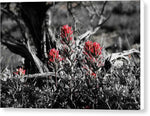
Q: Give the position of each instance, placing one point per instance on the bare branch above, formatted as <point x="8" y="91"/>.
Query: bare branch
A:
<point x="44" y="44"/>
<point x="37" y="61"/>
<point x="102" y="11"/>
<point x="48" y="22"/>
<point x="36" y="75"/>
<point x="49" y="39"/>
<point x="94" y="9"/>
<point x="123" y="54"/>
<point x="41" y="75"/>
<point x="69" y="7"/>
<point x="88" y="33"/>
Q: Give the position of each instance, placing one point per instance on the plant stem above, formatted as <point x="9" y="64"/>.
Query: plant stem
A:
<point x="56" y="77"/>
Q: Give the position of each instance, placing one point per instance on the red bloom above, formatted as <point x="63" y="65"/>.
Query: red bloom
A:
<point x="20" y="71"/>
<point x="88" y="46"/>
<point x="53" y="54"/>
<point x="97" y="48"/>
<point x="93" y="74"/>
<point x="92" y="48"/>
<point x="66" y="32"/>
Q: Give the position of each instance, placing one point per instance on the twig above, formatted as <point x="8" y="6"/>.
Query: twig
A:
<point x="103" y="8"/>
<point x="69" y="7"/>
<point x="88" y="33"/>
<point x="94" y="9"/>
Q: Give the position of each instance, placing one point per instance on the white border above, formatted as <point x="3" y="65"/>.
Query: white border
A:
<point x="58" y="0"/>
<point x="141" y="37"/>
<point x="142" y="54"/>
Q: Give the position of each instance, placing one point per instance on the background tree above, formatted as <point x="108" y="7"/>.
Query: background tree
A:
<point x="32" y="34"/>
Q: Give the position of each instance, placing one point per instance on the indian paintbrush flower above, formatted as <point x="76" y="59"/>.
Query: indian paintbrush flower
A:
<point x="53" y="55"/>
<point x="92" y="49"/>
<point x="20" y="71"/>
<point x="66" y="33"/>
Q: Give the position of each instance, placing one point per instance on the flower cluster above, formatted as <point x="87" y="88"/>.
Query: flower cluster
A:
<point x="20" y="72"/>
<point x="66" y="33"/>
<point x="53" y="55"/>
<point x="93" y="74"/>
<point x="92" y="49"/>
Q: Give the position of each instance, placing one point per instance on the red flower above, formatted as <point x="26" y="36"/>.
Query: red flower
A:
<point x="97" y="48"/>
<point x="88" y="46"/>
<point x="66" y="32"/>
<point x="53" y="55"/>
<point x="20" y="71"/>
<point x="93" y="74"/>
<point x="92" y="48"/>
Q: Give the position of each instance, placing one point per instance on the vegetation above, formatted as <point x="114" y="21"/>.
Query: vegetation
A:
<point x="65" y="67"/>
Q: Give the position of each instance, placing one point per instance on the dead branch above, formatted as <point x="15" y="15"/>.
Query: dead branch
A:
<point x="91" y="11"/>
<point x="44" y="45"/>
<point x="88" y="33"/>
<point x="40" y="75"/>
<point x="102" y="11"/>
<point x="49" y="27"/>
<point x="49" y="39"/>
<point x="69" y="7"/>
<point x="29" y="76"/>
<point x="36" y="60"/>
<point x="123" y="54"/>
